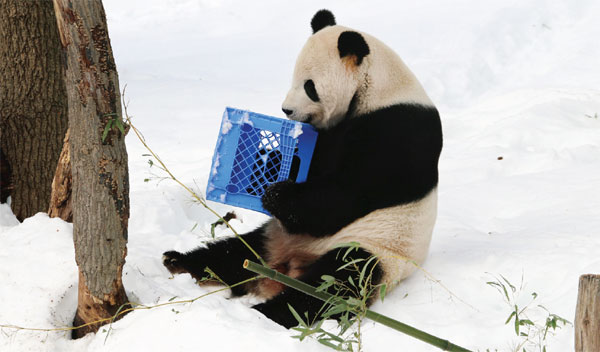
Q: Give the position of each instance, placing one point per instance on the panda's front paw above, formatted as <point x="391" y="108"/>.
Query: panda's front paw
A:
<point x="280" y="315"/>
<point x="173" y="261"/>
<point x="278" y="198"/>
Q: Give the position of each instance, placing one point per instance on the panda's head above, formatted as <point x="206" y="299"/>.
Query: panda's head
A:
<point x="342" y="72"/>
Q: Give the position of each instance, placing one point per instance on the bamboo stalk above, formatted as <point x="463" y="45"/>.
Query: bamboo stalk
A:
<point x="442" y="344"/>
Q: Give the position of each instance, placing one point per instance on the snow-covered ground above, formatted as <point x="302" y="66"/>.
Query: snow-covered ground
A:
<point x="517" y="84"/>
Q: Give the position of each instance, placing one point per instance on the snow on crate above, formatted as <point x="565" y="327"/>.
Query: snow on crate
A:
<point x="255" y="150"/>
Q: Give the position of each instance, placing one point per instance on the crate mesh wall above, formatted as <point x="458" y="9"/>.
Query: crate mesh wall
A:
<point x="257" y="165"/>
<point x="255" y="151"/>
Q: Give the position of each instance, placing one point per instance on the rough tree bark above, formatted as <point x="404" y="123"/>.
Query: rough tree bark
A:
<point x="100" y="195"/>
<point x="33" y="102"/>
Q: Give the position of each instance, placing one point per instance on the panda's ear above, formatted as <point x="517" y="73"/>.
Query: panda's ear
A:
<point x="351" y="43"/>
<point x="322" y="19"/>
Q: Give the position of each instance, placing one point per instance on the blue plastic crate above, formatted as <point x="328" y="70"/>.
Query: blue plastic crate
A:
<point x="254" y="151"/>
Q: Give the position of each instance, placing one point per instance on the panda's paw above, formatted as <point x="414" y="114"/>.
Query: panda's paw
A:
<point x="173" y="261"/>
<point x="278" y="197"/>
<point x="280" y="315"/>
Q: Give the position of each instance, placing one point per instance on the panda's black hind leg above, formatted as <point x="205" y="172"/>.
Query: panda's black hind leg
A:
<point x="223" y="257"/>
<point x="277" y="309"/>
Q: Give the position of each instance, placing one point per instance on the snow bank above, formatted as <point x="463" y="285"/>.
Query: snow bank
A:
<point x="39" y="280"/>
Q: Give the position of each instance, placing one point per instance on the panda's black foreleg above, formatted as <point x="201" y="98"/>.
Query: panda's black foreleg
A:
<point x="277" y="309"/>
<point x="223" y="257"/>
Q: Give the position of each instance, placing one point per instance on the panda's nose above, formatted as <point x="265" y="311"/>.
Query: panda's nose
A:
<point x="287" y="112"/>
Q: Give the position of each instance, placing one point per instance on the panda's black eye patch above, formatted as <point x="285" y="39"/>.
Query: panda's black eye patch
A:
<point x="311" y="91"/>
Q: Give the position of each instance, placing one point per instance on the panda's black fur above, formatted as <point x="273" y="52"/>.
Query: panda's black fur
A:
<point x="322" y="19"/>
<point x="352" y="43"/>
<point x="368" y="162"/>
<point x="365" y="163"/>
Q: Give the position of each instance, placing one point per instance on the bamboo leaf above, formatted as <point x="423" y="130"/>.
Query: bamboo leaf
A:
<point x="304" y="332"/>
<point x="354" y="261"/>
<point x="364" y="271"/>
<point x="351" y="246"/>
<point x="339" y="308"/>
<point x="323" y="286"/>
<point x="212" y="229"/>
<point x="382" y="290"/>
<point x="525" y="322"/>
<point x="351" y="281"/>
<point x="119" y="124"/>
<point x="297" y="316"/>
<point x="333" y="337"/>
<point x="327" y="278"/>
<point x="560" y="319"/>
<point x="328" y="281"/>
<point x="329" y="344"/>
<point x="348" y="251"/>
<point x="353" y="301"/>
<point x="505" y="293"/>
<point x="106" y="129"/>
<point x="512" y="287"/>
<point x="517" y="325"/>
<point x="510" y="317"/>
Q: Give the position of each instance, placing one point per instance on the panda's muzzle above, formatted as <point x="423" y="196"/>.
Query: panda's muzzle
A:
<point x="290" y="115"/>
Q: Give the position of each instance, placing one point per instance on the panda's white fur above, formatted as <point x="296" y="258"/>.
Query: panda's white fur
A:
<point x="381" y="80"/>
<point x="399" y="236"/>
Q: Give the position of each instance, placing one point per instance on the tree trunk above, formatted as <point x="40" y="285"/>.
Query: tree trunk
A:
<point x="60" y="199"/>
<point x="587" y="315"/>
<point x="33" y="101"/>
<point x="5" y="181"/>
<point x="100" y="195"/>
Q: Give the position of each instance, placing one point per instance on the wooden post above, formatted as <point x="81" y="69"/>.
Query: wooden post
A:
<point x="587" y="315"/>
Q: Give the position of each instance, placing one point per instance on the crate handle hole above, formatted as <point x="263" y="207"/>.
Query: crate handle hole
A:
<point x="232" y="188"/>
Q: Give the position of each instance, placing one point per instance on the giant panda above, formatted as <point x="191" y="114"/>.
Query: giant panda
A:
<point x="372" y="180"/>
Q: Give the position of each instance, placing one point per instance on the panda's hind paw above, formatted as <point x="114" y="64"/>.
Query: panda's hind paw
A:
<point x="278" y="314"/>
<point x="172" y="260"/>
